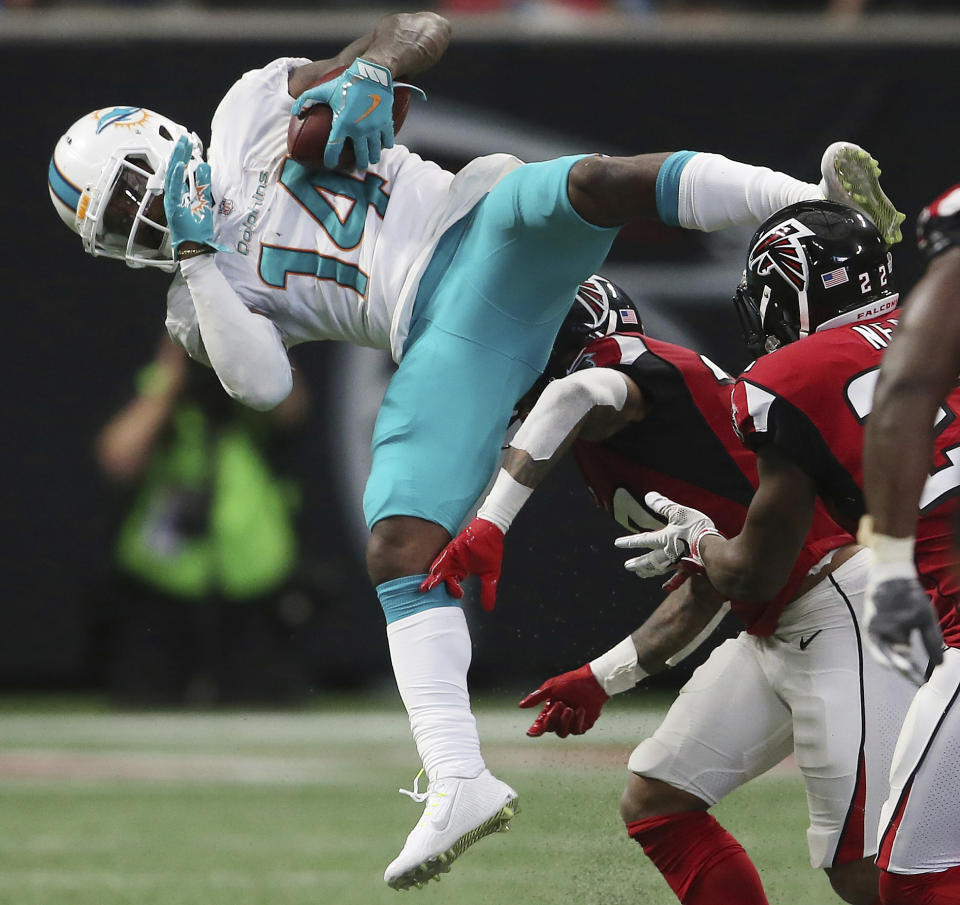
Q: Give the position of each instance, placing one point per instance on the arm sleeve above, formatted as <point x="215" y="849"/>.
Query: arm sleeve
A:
<point x="563" y="405"/>
<point x="182" y="320"/>
<point x="245" y="349"/>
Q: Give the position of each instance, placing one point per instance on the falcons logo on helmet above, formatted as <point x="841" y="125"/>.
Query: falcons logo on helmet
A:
<point x="594" y="297"/>
<point x="779" y="250"/>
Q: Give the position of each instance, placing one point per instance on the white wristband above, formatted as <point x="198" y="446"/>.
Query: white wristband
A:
<point x="618" y="670"/>
<point x="888" y="549"/>
<point x="892" y="557"/>
<point x="505" y="500"/>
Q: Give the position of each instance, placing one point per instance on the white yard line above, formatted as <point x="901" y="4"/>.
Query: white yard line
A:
<point x="255" y="730"/>
<point x="283" y="748"/>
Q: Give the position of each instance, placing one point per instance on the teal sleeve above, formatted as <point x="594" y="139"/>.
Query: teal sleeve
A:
<point x="668" y="186"/>
<point x="402" y="597"/>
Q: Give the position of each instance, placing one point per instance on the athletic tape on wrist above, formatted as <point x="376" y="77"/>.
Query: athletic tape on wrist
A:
<point x="618" y="670"/>
<point x="888" y="549"/>
<point x="505" y="500"/>
<point x="892" y="556"/>
<point x="197" y="264"/>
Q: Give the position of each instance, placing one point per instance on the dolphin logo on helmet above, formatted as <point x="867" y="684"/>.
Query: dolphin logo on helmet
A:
<point x="126" y="116"/>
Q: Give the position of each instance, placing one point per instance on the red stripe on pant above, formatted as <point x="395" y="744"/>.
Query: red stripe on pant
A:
<point x="890" y="833"/>
<point x="702" y="863"/>
<point x="850" y="846"/>
<point x="941" y="888"/>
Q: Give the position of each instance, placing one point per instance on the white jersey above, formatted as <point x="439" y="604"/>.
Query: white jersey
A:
<point x="323" y="254"/>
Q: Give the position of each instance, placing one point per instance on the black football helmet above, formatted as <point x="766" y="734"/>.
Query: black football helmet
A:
<point x="938" y="226"/>
<point x="599" y="309"/>
<point x="812" y="266"/>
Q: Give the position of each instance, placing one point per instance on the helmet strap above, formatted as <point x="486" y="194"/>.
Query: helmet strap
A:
<point x="751" y="325"/>
<point x="803" y="306"/>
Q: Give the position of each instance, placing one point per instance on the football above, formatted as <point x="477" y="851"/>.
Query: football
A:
<point x="308" y="132"/>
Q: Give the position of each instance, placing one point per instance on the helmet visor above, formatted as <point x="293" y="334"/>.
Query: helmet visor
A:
<point x="132" y="222"/>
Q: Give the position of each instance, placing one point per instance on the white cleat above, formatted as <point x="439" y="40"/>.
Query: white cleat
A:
<point x="457" y="813"/>
<point x="851" y="176"/>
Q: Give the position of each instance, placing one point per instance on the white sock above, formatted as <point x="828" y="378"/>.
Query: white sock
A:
<point x="716" y="192"/>
<point x="431" y="652"/>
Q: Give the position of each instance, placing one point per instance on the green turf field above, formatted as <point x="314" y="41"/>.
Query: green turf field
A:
<point x="103" y="808"/>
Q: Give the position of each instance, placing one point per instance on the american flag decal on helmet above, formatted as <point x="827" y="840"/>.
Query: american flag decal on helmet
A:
<point x="835" y="278"/>
<point x="779" y="249"/>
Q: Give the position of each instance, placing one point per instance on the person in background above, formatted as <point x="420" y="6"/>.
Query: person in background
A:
<point x="203" y="608"/>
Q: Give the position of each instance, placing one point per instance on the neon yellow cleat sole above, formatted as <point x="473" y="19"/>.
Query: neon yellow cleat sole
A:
<point x="851" y="176"/>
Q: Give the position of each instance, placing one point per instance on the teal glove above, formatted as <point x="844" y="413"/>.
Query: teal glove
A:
<point x="361" y="99"/>
<point x="189" y="210"/>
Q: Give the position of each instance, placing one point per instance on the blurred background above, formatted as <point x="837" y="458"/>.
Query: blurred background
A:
<point x="114" y="453"/>
<point x="196" y="703"/>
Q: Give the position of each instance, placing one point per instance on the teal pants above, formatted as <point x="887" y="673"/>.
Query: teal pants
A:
<point x="488" y="309"/>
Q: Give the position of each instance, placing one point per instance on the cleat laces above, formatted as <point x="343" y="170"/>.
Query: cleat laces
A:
<point x="416" y="794"/>
<point x="431" y="795"/>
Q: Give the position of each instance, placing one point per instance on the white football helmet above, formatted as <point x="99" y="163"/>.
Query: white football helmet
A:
<point x="106" y="182"/>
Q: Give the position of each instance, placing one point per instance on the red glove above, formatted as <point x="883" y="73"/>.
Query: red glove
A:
<point x="571" y="703"/>
<point x="477" y="550"/>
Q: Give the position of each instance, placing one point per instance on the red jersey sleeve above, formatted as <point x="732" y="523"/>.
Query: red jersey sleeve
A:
<point x="774" y="404"/>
